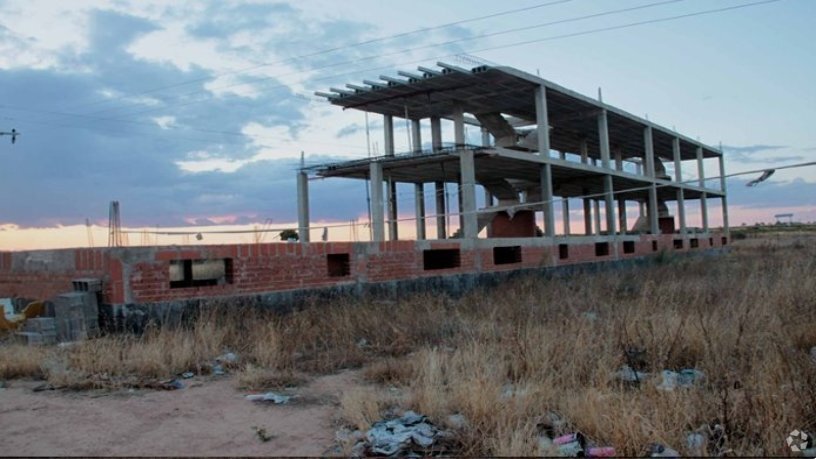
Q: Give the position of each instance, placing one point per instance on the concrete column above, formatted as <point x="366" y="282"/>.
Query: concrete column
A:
<point x="543" y="121"/>
<point x="726" y="228"/>
<point x="678" y="177"/>
<point x="388" y="129"/>
<point x="486" y="143"/>
<point x="419" y="188"/>
<point x="619" y="160"/>
<point x="565" y="210"/>
<point x="303" y="206"/>
<point x="701" y="183"/>
<point x="377" y="224"/>
<point x="459" y="140"/>
<point x="648" y="141"/>
<point x="441" y="231"/>
<point x="458" y="126"/>
<point x="596" y="209"/>
<point x="439" y="187"/>
<point x="584" y="150"/>
<point x="603" y="137"/>
<point x="641" y="204"/>
<point x="470" y="227"/>
<point x="623" y="224"/>
<point x="587" y="213"/>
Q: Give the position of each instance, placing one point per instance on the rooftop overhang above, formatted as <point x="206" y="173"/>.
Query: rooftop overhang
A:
<point x="486" y="89"/>
<point x="570" y="180"/>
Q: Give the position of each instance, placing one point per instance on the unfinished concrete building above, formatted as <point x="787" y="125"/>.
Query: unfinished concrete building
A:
<point x="541" y="148"/>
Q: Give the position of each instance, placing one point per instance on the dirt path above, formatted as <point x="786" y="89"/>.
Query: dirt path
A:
<point x="208" y="418"/>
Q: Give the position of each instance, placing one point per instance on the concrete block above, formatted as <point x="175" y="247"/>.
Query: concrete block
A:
<point x="37" y="339"/>
<point x="40" y="325"/>
<point x="76" y="315"/>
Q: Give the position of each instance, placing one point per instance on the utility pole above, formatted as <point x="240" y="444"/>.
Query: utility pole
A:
<point x="13" y="133"/>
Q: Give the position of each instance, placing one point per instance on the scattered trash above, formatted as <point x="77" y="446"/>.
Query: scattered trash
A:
<point x="601" y="451"/>
<point x="570" y="445"/>
<point x="362" y="343"/>
<point x="810" y="452"/>
<point x="43" y="387"/>
<point x="410" y="435"/>
<point x="66" y="344"/>
<point x="262" y="434"/>
<point x="686" y="378"/>
<point x="813" y="354"/>
<point x="510" y="391"/>
<point x="277" y="399"/>
<point x="627" y="374"/>
<point x="187" y="374"/>
<point x="171" y="384"/>
<point x="658" y="450"/>
<point x="218" y="370"/>
<point x="229" y="357"/>
<point x="545" y="446"/>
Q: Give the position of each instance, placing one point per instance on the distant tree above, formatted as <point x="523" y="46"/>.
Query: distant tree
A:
<point x="289" y="234"/>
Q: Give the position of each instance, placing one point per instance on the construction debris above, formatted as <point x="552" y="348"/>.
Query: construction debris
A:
<point x="270" y="397"/>
<point x="628" y="375"/>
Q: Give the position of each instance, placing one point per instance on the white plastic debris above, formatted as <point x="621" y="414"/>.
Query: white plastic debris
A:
<point x="695" y="441"/>
<point x="627" y="374"/>
<point x="229" y="357"/>
<point x="457" y="421"/>
<point x="401" y="434"/>
<point x="272" y="397"/>
<point x="686" y="378"/>
<point x="813" y="354"/>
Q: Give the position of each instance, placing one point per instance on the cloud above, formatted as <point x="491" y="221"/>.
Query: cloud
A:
<point x="771" y="194"/>
<point x="751" y="149"/>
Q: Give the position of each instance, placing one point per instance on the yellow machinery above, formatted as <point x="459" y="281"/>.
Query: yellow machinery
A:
<point x="11" y="321"/>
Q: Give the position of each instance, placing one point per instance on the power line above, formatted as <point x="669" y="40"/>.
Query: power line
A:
<point x="416" y="48"/>
<point x="551" y="38"/>
<point x="331" y="50"/>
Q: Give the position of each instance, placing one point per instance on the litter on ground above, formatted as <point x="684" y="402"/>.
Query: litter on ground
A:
<point x="270" y="397"/>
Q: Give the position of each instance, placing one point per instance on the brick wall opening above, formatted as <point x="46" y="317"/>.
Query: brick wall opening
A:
<point x="711" y="242"/>
<point x="601" y="249"/>
<point x="694" y="243"/>
<point x="678" y="244"/>
<point x="563" y="251"/>
<point x="506" y="255"/>
<point x="440" y="259"/>
<point x="654" y="246"/>
<point x="200" y="273"/>
<point x="338" y="264"/>
<point x="724" y="240"/>
<point x="628" y="246"/>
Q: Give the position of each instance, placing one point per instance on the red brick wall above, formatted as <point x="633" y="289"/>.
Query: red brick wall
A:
<point x="142" y="275"/>
<point x="522" y="224"/>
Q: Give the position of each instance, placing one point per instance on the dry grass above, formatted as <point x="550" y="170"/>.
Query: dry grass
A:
<point x="507" y="357"/>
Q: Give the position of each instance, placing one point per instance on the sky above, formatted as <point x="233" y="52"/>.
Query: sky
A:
<point x="196" y="113"/>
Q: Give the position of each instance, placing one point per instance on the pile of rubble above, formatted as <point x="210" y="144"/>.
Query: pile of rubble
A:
<point x="410" y="435"/>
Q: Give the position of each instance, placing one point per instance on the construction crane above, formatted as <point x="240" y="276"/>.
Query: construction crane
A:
<point x="14" y="133"/>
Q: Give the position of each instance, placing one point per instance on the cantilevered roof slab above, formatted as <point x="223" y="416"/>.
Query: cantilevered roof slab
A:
<point x="435" y="92"/>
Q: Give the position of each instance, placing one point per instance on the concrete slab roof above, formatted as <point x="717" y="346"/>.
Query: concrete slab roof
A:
<point x="487" y="89"/>
<point x="570" y="179"/>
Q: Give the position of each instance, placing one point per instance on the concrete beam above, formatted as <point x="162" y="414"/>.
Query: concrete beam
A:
<point x="303" y="206"/>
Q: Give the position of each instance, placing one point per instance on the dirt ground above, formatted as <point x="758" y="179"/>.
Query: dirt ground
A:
<point x="209" y="417"/>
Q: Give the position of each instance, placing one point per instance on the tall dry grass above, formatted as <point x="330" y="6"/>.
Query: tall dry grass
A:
<point x="509" y="357"/>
